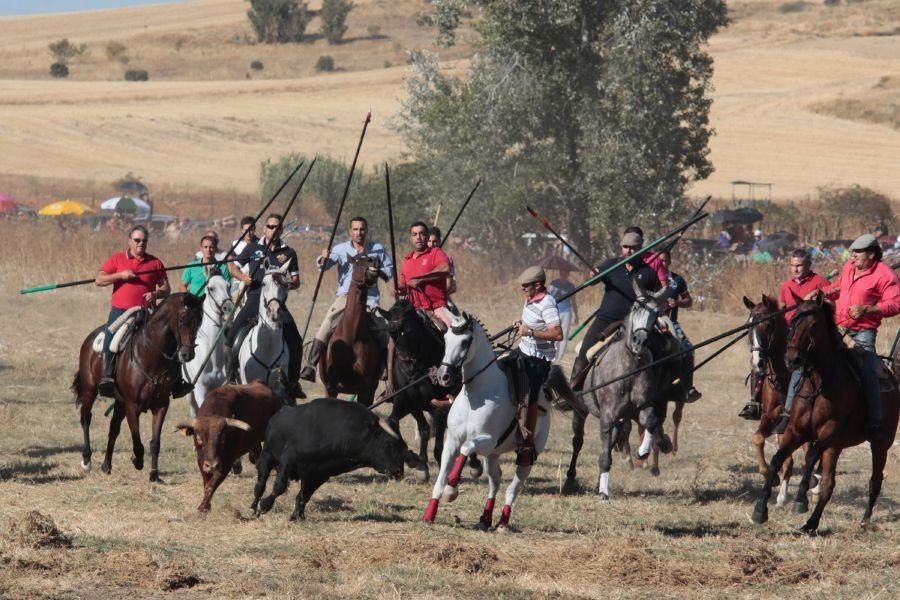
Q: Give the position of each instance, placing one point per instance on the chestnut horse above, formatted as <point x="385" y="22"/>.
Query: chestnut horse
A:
<point x="146" y="370"/>
<point x="769" y="379"/>
<point x="355" y="356"/>
<point x="829" y="411"/>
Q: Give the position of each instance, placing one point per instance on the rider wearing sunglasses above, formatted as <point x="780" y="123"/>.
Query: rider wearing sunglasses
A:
<point x="129" y="272"/>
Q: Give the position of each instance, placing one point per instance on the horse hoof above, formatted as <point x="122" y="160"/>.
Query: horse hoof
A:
<point x="810" y="530"/>
<point x="664" y="444"/>
<point x="237" y="467"/>
<point x="654" y="471"/>
<point x="422" y="475"/>
<point x="476" y="472"/>
<point x="106" y="468"/>
<point x="86" y="466"/>
<point x="570" y="487"/>
<point x="154" y="477"/>
<point x="502" y="529"/>
<point x="800" y="507"/>
<point x="603" y="497"/>
<point x="137" y="462"/>
<point x="482" y="526"/>
<point x="450" y="494"/>
<point x="760" y="516"/>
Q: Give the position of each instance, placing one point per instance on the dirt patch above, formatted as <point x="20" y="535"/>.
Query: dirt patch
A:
<point x="755" y="562"/>
<point x="37" y="530"/>
<point x="465" y="558"/>
<point x="177" y="577"/>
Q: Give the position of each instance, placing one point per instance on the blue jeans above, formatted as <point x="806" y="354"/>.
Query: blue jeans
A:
<point x="865" y="339"/>
<point x="114" y="313"/>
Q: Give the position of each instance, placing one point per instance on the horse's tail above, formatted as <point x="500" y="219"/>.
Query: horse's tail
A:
<point x="559" y="385"/>
<point x="76" y="386"/>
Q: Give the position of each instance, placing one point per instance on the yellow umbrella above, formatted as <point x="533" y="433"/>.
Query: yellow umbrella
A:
<point x="66" y="207"/>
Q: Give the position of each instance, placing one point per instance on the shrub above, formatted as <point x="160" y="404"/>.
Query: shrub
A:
<point x="278" y="21"/>
<point x="373" y="30"/>
<point x="59" y="70"/>
<point x="116" y="51"/>
<point x="256" y="65"/>
<point x="136" y="75"/>
<point x="325" y="63"/>
<point x="792" y="7"/>
<point x="334" y="19"/>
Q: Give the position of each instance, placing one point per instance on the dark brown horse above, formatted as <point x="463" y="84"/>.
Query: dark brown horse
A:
<point x="355" y="357"/>
<point x="829" y="411"/>
<point x="769" y="380"/>
<point x="146" y="370"/>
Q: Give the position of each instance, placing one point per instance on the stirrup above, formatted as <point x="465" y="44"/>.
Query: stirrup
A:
<point x="751" y="411"/>
<point x="526" y="455"/>
<point x="308" y="373"/>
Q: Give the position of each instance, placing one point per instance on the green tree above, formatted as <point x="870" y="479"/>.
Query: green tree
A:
<point x="595" y="112"/>
<point x="334" y="19"/>
<point x="279" y="21"/>
<point x="63" y="50"/>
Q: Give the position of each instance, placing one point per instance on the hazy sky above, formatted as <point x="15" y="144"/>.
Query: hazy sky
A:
<point x="31" y="7"/>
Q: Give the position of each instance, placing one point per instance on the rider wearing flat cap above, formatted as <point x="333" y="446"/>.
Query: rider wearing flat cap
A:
<point x="539" y="329"/>
<point x="867" y="291"/>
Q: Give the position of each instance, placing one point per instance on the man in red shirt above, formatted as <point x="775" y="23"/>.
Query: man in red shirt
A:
<point x="423" y="277"/>
<point x="138" y="280"/>
<point x="868" y="291"/>
<point x="802" y="282"/>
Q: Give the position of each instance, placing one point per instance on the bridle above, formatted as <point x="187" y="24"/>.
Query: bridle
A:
<point x="811" y="344"/>
<point x="647" y="329"/>
<point x="468" y="325"/>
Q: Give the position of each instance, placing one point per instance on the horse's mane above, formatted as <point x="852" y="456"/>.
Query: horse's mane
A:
<point x="829" y="310"/>
<point x="481" y="323"/>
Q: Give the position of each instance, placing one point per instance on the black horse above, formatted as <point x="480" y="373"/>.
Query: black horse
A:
<point x="418" y="347"/>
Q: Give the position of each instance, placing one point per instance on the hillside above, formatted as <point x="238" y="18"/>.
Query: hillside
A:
<point x="795" y="94"/>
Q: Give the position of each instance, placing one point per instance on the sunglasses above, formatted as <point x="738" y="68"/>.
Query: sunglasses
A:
<point x="139" y="240"/>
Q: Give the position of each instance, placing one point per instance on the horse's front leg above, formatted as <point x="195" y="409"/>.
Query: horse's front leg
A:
<point x="133" y="417"/>
<point x="789" y="443"/>
<point x="813" y="454"/>
<point x="578" y="421"/>
<point x="159" y="416"/>
<point x="424" y="435"/>
<point x="676" y="420"/>
<point x="826" y="488"/>
<point x="608" y="434"/>
<point x="115" y="425"/>
<point x="494" y="474"/>
<point x="451" y="449"/>
<point x="86" y="400"/>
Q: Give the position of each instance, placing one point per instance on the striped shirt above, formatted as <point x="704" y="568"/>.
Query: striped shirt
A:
<point x="539" y="313"/>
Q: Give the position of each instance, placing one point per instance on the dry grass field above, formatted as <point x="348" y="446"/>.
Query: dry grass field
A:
<point x="200" y="122"/>
<point x="684" y="534"/>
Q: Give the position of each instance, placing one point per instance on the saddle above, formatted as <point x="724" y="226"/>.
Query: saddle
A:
<point x="856" y="355"/>
<point x="122" y="329"/>
<point x="513" y="366"/>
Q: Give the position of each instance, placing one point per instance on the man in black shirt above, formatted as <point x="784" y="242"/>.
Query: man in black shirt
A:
<point x="269" y="252"/>
<point x="617" y="299"/>
<point x="681" y="298"/>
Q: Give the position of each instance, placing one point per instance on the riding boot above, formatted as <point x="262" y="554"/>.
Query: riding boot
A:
<point x="230" y="364"/>
<point x="181" y="388"/>
<point x="106" y="386"/>
<point x="526" y="453"/>
<point x="315" y="352"/>
<point x="579" y="374"/>
<point x="874" y="430"/>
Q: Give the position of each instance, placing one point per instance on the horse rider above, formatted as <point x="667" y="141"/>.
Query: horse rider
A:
<point x="867" y="291"/>
<point x="617" y="299"/>
<point x="681" y="298"/>
<point x="434" y="241"/>
<point x="269" y="252"/>
<point x="424" y="276"/>
<point x="539" y="330"/>
<point x="340" y="255"/>
<point x="248" y="236"/>
<point x="194" y="278"/>
<point x="133" y="285"/>
<point x="801" y="282"/>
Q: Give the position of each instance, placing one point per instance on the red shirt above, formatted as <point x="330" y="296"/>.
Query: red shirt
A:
<point x="430" y="294"/>
<point x="876" y="285"/>
<point x="127" y="294"/>
<point x="811" y="282"/>
<point x="654" y="261"/>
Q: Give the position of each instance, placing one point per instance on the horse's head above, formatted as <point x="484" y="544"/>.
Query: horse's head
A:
<point x="401" y="317"/>
<point x="187" y="315"/>
<point x="642" y="318"/>
<point x="218" y="293"/>
<point x="365" y="270"/>
<point x="765" y="331"/>
<point x="811" y="327"/>
<point x="457" y="342"/>
<point x="274" y="294"/>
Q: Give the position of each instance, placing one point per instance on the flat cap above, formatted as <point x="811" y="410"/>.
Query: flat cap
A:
<point x="633" y="240"/>
<point x="532" y="274"/>
<point x="864" y="242"/>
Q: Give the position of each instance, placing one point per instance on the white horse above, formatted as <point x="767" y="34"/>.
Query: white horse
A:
<point x="482" y="420"/>
<point x="263" y="352"/>
<point x="216" y="306"/>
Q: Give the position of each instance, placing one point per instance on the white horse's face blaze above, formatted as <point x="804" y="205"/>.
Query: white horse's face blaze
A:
<point x="457" y="342"/>
<point x="274" y="294"/>
<point x="217" y="292"/>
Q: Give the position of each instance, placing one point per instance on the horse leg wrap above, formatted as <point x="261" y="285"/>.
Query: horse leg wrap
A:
<point x="456" y="472"/>
<point x="487" y="516"/>
<point x="644" y="449"/>
<point x="431" y="511"/>
<point x="504" y="515"/>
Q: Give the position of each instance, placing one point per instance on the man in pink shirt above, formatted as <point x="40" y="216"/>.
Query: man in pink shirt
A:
<point x="424" y="275"/>
<point x="868" y="291"/>
<point x="802" y="282"/>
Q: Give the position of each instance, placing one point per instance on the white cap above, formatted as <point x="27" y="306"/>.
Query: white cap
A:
<point x="758" y="232"/>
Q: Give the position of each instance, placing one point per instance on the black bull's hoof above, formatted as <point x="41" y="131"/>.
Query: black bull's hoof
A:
<point x="760" y="515"/>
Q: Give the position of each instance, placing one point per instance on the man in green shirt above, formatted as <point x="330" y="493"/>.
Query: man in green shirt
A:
<point x="194" y="278"/>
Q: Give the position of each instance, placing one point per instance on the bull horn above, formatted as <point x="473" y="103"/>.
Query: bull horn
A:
<point x="384" y="425"/>
<point x="237" y="423"/>
<point x="185" y="426"/>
